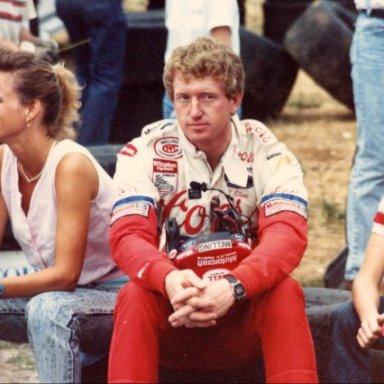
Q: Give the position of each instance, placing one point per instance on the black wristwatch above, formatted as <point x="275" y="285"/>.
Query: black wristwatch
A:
<point x="238" y="289"/>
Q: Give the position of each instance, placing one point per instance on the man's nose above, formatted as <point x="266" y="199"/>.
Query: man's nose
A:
<point x="195" y="110"/>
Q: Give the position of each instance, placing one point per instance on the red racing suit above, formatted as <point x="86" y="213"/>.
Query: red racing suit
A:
<point x="153" y="175"/>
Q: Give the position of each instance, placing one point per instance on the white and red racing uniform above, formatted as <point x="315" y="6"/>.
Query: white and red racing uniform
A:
<point x="265" y="180"/>
<point x="153" y="175"/>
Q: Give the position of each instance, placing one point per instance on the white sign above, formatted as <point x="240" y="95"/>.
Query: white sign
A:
<point x="14" y="263"/>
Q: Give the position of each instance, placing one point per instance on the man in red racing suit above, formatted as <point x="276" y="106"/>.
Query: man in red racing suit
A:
<point x="173" y="318"/>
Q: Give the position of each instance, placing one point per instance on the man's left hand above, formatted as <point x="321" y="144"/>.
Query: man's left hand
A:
<point x="203" y="310"/>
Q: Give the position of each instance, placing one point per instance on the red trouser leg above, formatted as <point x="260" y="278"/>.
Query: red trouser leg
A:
<point x="134" y="353"/>
<point x="276" y="320"/>
<point x="288" y="350"/>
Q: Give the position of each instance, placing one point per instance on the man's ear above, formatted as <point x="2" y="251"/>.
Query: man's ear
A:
<point x="236" y="101"/>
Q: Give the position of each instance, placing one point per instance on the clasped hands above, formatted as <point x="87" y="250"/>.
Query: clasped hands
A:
<point x="197" y="302"/>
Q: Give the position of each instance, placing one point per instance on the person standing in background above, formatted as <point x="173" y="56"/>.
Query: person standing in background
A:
<point x="14" y="19"/>
<point x="99" y="61"/>
<point x="15" y="33"/>
<point x="366" y="184"/>
<point x="188" y="19"/>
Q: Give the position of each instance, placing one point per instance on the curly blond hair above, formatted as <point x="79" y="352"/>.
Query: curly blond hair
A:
<point x="206" y="57"/>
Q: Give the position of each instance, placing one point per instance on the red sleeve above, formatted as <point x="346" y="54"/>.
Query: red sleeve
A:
<point x="134" y="244"/>
<point x="282" y="242"/>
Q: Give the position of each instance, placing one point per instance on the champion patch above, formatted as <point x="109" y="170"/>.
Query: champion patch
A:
<point x="168" y="148"/>
<point x="284" y="202"/>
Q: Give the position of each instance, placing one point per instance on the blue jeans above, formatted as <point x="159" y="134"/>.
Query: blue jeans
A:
<point x="349" y="363"/>
<point x="99" y="64"/>
<point x="58" y="325"/>
<point x="366" y="186"/>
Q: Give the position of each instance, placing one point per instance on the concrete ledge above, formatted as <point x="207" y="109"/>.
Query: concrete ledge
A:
<point x="320" y="305"/>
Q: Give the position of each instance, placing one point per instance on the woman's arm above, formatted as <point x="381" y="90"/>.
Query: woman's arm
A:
<point x="366" y="291"/>
<point x="76" y="185"/>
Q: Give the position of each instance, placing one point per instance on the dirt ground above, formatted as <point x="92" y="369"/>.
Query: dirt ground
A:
<point x="321" y="133"/>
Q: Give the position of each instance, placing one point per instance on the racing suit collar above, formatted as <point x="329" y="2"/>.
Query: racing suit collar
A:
<point x="230" y="162"/>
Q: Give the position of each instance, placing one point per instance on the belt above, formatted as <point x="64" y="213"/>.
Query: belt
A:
<point x="374" y="12"/>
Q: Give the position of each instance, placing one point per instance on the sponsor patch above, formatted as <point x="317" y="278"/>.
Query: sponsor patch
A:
<point x="284" y="202"/>
<point x="128" y="150"/>
<point x="168" y="147"/>
<point x="379" y="218"/>
<point x="165" y="182"/>
<point x="165" y="175"/>
<point x="215" y="274"/>
<point x="134" y="205"/>
<point x="164" y="166"/>
<point x="212" y="245"/>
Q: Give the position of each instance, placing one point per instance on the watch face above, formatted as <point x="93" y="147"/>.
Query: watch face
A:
<point x="237" y="288"/>
<point x="239" y="291"/>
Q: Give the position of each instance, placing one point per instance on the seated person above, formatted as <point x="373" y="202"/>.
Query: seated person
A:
<point x="358" y="325"/>
<point x="58" y="199"/>
<point x="209" y="175"/>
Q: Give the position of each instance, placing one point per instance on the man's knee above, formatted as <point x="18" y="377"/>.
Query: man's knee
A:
<point x="137" y="301"/>
<point x="286" y="292"/>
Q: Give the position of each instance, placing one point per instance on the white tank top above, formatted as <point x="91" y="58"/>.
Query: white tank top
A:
<point x="36" y="231"/>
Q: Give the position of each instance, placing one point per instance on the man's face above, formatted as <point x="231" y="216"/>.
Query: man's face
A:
<point x="203" y="110"/>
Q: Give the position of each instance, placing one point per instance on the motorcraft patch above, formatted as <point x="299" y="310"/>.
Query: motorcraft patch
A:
<point x="133" y="205"/>
<point x="165" y="175"/>
<point x="279" y="202"/>
<point x="168" y="147"/>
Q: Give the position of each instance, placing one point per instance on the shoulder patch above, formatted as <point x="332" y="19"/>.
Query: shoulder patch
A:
<point x="128" y="150"/>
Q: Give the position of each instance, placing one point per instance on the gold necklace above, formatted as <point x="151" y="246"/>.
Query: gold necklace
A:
<point x="30" y="179"/>
<point x="36" y="177"/>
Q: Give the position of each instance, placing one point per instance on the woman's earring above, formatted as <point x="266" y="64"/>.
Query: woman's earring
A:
<point x="27" y="121"/>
